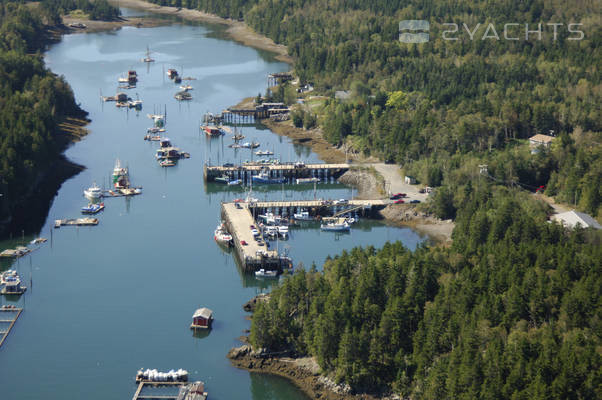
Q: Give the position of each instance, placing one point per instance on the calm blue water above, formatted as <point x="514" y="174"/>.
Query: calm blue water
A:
<point x="110" y="299"/>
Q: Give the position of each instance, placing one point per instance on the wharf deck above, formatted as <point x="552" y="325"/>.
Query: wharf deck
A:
<point x="276" y="167"/>
<point x="320" y="203"/>
<point x="238" y="221"/>
<point x="5" y="333"/>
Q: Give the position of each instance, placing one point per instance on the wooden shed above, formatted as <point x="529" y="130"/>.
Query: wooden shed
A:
<point x="202" y="319"/>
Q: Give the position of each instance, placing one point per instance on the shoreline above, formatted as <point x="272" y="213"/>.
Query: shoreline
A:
<point x="303" y="372"/>
<point x="238" y="31"/>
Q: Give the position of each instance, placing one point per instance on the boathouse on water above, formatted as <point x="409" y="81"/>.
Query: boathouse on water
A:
<point x="202" y="319"/>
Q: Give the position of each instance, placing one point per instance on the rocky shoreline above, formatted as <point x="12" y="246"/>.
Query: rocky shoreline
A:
<point x="303" y="372"/>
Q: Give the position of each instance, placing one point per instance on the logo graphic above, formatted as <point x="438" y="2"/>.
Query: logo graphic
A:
<point x="414" y="26"/>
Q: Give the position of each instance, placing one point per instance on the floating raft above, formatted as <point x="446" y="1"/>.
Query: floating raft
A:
<point x="8" y="309"/>
<point x="76" y="221"/>
<point x="20" y="251"/>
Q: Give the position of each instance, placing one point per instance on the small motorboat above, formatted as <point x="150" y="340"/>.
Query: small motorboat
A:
<point x="168" y="162"/>
<point x="302" y="216"/>
<point x="264" y="153"/>
<point x="283" y="231"/>
<point x="266" y="273"/>
<point x="93" y="192"/>
<point x="186" y="87"/>
<point x="93" y="208"/>
<point x="334" y="227"/>
<point x="234" y="182"/>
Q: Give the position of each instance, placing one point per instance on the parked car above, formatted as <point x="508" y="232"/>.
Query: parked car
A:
<point x="244" y="243"/>
<point x="414" y="201"/>
<point x="341" y="201"/>
<point x="237" y="205"/>
<point x="261" y="243"/>
<point x="399" y="201"/>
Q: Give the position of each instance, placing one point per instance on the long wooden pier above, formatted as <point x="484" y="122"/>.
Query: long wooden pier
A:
<point x="238" y="222"/>
<point x="290" y="171"/>
<point x="12" y="321"/>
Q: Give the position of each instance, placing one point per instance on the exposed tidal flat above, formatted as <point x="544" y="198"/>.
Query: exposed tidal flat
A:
<point x="107" y="300"/>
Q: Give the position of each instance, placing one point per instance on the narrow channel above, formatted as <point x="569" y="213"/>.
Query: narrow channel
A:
<point x="110" y="299"/>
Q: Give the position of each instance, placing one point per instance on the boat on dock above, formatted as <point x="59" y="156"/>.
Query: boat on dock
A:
<point x="93" y="208"/>
<point x="264" y="178"/>
<point x="93" y="192"/>
<point x="11" y="283"/>
<point x="263" y="273"/>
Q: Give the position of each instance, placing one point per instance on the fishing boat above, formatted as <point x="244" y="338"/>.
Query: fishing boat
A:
<point x="303" y="216"/>
<point x="222" y="179"/>
<point x="335" y="227"/>
<point x="152" y="138"/>
<point x="167" y="163"/>
<point x="172" y="73"/>
<point x="93" y="192"/>
<point x="264" y="153"/>
<point x="93" y="208"/>
<point x="186" y="87"/>
<point x="137" y="104"/>
<point x="221" y="235"/>
<point x="264" y="178"/>
<point x="235" y="182"/>
<point x="158" y="119"/>
<point x="121" y="176"/>
<point x="183" y="95"/>
<point x="252" y="145"/>
<point x="263" y="273"/>
<point x="148" y="58"/>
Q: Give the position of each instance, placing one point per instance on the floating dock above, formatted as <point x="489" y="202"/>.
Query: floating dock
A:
<point x="290" y="171"/>
<point x="6" y="310"/>
<point x="187" y="391"/>
<point x="76" y="221"/>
